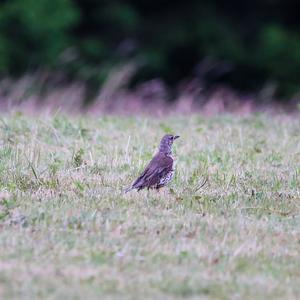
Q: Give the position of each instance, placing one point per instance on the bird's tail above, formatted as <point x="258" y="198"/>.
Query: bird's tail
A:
<point x="130" y="188"/>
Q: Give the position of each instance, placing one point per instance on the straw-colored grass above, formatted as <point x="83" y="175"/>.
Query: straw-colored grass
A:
<point x="68" y="232"/>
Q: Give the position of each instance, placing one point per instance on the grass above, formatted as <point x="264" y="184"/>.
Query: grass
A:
<point x="68" y="232"/>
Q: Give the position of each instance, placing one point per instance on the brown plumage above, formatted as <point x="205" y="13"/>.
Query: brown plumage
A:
<point x="159" y="171"/>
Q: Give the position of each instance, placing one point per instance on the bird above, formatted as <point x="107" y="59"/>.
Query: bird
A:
<point x="159" y="172"/>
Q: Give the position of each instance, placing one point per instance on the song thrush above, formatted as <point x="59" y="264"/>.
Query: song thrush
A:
<point x="159" y="171"/>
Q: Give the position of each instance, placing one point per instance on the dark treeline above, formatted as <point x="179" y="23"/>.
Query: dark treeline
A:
<point x="244" y="44"/>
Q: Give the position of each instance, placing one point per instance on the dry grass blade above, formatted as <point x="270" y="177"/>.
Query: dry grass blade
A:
<point x="199" y="187"/>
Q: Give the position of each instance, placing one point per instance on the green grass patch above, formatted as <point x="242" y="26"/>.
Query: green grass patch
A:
<point x="227" y="227"/>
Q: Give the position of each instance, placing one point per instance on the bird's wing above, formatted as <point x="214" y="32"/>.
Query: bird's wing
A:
<point x="158" y="167"/>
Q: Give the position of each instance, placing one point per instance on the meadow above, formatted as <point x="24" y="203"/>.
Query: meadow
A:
<point x="227" y="227"/>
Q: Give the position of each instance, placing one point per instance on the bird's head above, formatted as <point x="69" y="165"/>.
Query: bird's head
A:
<point x="166" y="143"/>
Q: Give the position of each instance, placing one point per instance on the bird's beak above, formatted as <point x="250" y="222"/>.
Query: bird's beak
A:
<point x="176" y="137"/>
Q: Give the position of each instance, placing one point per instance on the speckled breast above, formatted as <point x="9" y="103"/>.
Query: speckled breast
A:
<point x="166" y="179"/>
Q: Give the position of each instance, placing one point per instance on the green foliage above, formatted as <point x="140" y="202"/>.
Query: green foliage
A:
<point x="34" y="33"/>
<point x="225" y="42"/>
<point x="279" y="53"/>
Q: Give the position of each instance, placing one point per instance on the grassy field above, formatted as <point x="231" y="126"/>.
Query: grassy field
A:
<point x="68" y="232"/>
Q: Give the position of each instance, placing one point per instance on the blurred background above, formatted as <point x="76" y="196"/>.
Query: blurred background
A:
<point x="153" y="56"/>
